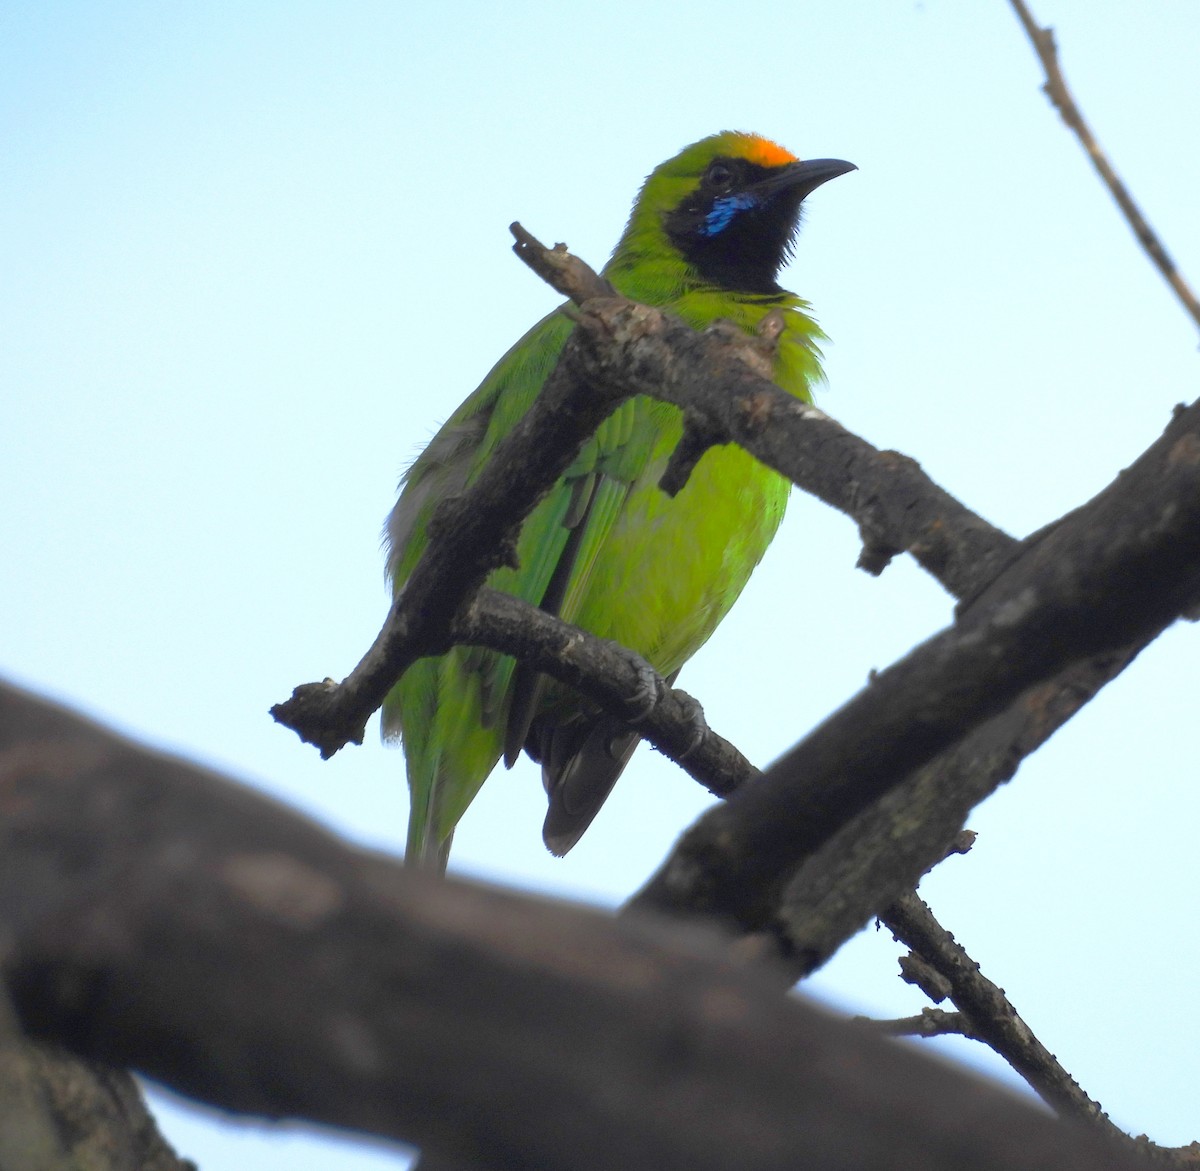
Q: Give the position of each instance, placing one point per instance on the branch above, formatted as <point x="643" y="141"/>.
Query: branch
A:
<point x="883" y="852"/>
<point x="644" y="351"/>
<point x="929" y="1022"/>
<point x="1108" y="576"/>
<point x="621" y="349"/>
<point x="470" y="535"/>
<point x="60" y="1113"/>
<point x="160" y="917"/>
<point x="1060" y="97"/>
<point x="612" y="676"/>
<point x="563" y="271"/>
<point x="992" y="1017"/>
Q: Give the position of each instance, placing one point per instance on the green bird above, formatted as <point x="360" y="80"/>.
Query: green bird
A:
<point x="606" y="549"/>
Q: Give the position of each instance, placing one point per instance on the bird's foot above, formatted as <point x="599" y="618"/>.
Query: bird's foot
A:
<point x="694" y="714"/>
<point x="645" y="698"/>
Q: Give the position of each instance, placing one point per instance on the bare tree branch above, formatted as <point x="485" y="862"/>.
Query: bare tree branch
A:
<point x="160" y="917"/>
<point x="615" y="678"/>
<point x="993" y="1018"/>
<point x="728" y="397"/>
<point x="1109" y="575"/>
<point x="561" y="269"/>
<point x="929" y="1022"/>
<point x="1056" y="90"/>
<point x="883" y="852"/>
<point x="620" y="349"/>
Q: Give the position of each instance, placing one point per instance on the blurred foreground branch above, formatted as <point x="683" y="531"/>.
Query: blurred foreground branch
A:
<point x="59" y="1112"/>
<point x="163" y="918"/>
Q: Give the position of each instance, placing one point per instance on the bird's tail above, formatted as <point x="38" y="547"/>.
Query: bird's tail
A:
<point x="581" y="761"/>
<point x="424" y="851"/>
<point x="448" y="753"/>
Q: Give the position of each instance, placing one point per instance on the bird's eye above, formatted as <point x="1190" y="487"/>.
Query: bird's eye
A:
<point x="719" y="177"/>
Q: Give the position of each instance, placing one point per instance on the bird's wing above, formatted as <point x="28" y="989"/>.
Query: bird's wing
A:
<point x="592" y="495"/>
<point x="453" y="712"/>
<point x="457" y="453"/>
<point x="440" y="705"/>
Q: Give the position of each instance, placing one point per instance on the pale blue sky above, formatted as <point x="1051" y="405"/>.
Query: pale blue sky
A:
<point x="252" y="255"/>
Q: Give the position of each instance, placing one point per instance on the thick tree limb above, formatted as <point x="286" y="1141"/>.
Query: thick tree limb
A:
<point x="1110" y="575"/>
<point x="1060" y="97"/>
<point x="161" y="917"/>
<point x="61" y="1113"/>
<point x="882" y="852"/>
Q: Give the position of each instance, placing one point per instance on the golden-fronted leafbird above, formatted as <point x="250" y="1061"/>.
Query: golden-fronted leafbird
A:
<point x="606" y="549"/>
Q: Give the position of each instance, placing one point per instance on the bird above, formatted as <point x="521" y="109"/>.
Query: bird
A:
<point x="607" y="550"/>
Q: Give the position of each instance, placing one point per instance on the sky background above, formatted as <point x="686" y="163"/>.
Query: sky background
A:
<point x="252" y="254"/>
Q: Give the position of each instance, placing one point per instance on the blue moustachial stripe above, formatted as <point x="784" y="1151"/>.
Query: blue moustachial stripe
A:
<point x="723" y="210"/>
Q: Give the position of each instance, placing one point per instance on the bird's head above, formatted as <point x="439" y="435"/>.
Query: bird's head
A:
<point x="729" y="206"/>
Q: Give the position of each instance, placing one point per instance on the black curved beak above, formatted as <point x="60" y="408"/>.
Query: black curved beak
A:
<point x="807" y="175"/>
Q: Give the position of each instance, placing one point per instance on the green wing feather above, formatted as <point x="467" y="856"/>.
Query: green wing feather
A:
<point x="444" y="708"/>
<point x="451" y="711"/>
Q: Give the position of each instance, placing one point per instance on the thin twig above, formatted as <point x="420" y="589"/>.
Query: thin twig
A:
<point x="990" y="1017"/>
<point x="560" y="268"/>
<point x="991" y="1013"/>
<point x="1056" y="90"/>
<point x="929" y="1022"/>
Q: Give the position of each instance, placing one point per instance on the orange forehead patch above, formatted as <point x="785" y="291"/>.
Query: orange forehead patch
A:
<point x="765" y="153"/>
